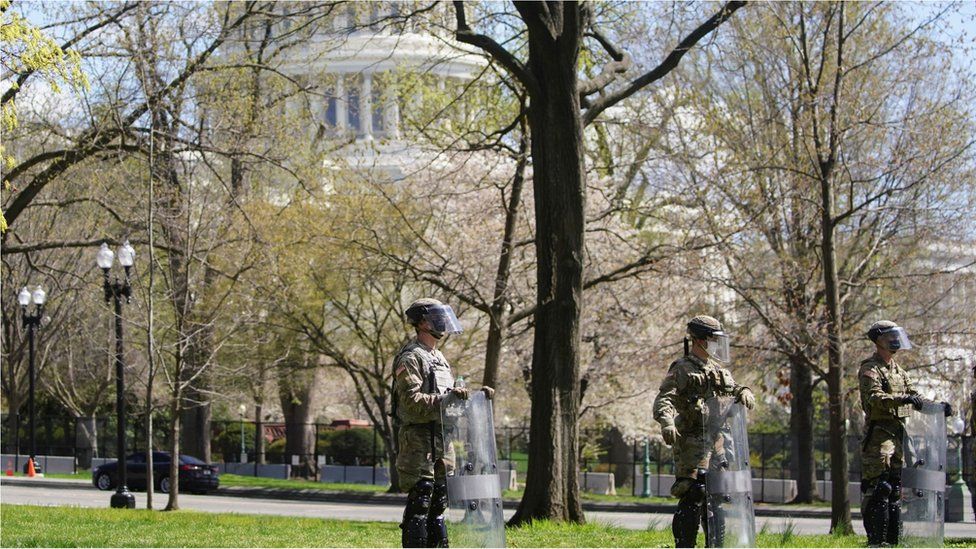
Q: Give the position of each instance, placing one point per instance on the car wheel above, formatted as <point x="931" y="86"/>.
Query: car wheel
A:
<point x="104" y="481"/>
<point x="164" y="485"/>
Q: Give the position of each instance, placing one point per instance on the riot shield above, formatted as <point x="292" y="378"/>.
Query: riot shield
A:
<point x="474" y="491"/>
<point x="730" y="521"/>
<point x="923" y="478"/>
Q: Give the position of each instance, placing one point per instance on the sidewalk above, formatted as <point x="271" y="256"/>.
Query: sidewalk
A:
<point x="333" y="496"/>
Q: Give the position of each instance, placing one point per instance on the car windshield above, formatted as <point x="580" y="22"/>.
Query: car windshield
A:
<point x="191" y="460"/>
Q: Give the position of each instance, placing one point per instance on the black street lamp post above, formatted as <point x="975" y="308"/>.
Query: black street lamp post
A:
<point x="116" y="290"/>
<point x="31" y="321"/>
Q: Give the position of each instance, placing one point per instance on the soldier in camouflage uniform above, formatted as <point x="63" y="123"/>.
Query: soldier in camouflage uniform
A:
<point x="422" y="378"/>
<point x="679" y="407"/>
<point x="887" y="397"/>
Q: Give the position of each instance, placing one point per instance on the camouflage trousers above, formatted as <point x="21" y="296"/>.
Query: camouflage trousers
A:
<point x="882" y="450"/>
<point x="416" y="461"/>
<point x="690" y="455"/>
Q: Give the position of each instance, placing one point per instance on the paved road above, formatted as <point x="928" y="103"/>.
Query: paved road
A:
<point x="42" y="494"/>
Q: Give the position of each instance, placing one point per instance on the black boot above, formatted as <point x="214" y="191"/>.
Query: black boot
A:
<point x="876" y="514"/>
<point x="690" y="513"/>
<point x="894" y="523"/>
<point x="414" y="523"/>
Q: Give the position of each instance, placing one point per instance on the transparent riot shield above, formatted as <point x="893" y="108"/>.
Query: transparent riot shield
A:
<point x="474" y="491"/>
<point x="730" y="521"/>
<point x="923" y="478"/>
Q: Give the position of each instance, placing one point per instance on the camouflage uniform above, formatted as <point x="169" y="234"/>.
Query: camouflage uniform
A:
<point x="690" y="381"/>
<point x="882" y="387"/>
<point x="422" y="377"/>
<point x="681" y="403"/>
<point x="887" y="397"/>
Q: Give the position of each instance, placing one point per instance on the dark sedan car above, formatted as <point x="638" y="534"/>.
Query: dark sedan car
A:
<point x="195" y="475"/>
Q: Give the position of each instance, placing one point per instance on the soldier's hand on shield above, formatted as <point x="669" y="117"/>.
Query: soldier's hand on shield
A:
<point x="746" y="398"/>
<point x="915" y="400"/>
<point x="488" y="391"/>
<point x="670" y="435"/>
<point x="948" y="409"/>
<point x="460" y="392"/>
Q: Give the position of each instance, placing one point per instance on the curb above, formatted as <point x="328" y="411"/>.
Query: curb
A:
<point x="401" y="499"/>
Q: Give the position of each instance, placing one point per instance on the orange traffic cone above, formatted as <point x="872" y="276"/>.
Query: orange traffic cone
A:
<point x="10" y="468"/>
<point x="30" y="467"/>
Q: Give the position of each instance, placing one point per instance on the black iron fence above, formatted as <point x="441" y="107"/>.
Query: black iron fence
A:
<point x="771" y="453"/>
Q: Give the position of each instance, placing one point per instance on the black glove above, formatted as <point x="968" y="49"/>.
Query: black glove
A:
<point x="915" y="400"/>
<point x="948" y="409"/>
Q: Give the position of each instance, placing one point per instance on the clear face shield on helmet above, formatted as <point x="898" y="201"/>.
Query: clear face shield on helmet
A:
<point x="897" y="339"/>
<point x="717" y="346"/>
<point x="442" y="320"/>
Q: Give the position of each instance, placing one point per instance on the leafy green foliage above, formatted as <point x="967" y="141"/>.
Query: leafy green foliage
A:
<point x="228" y="442"/>
<point x="350" y="446"/>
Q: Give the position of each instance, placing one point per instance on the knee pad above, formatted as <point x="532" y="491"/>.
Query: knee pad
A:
<point x="882" y="490"/>
<point x="438" y="500"/>
<point x="414" y="523"/>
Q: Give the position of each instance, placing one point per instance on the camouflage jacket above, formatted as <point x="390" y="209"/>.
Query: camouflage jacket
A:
<point x="882" y="387"/>
<point x="691" y="381"/>
<point x="421" y="376"/>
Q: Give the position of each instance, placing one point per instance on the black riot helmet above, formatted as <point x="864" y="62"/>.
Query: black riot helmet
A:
<point x="704" y="327"/>
<point x="440" y="316"/>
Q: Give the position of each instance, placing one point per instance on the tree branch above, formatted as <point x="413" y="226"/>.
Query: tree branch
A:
<point x="666" y="66"/>
<point x="465" y="35"/>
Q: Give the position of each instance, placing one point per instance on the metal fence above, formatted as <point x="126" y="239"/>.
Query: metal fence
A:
<point x="600" y="453"/>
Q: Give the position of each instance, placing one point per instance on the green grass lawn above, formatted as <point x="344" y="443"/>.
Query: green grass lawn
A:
<point x="296" y="484"/>
<point x="28" y="526"/>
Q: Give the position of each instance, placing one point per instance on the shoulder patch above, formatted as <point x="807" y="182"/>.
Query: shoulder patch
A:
<point x="400" y="370"/>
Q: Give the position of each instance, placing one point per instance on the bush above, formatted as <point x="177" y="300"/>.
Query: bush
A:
<point x="350" y="446"/>
<point x="228" y="443"/>
<point x="274" y="452"/>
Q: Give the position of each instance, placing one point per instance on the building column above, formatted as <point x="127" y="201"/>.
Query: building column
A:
<point x="366" y="106"/>
<point x="342" y="110"/>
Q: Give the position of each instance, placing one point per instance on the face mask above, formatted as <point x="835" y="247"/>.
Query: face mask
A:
<point x="894" y="345"/>
<point x="437" y="335"/>
<point x="718" y="349"/>
<point x="712" y="348"/>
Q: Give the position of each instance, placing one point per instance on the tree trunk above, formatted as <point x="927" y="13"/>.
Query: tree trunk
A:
<point x="497" y="319"/>
<point x="196" y="424"/>
<point x="552" y="485"/>
<point x="391" y="467"/>
<point x="258" y="434"/>
<point x="173" y="504"/>
<point x="803" y="460"/>
<point x="297" y="393"/>
<point x="86" y="440"/>
<point x="840" y="516"/>
<point x="197" y="412"/>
